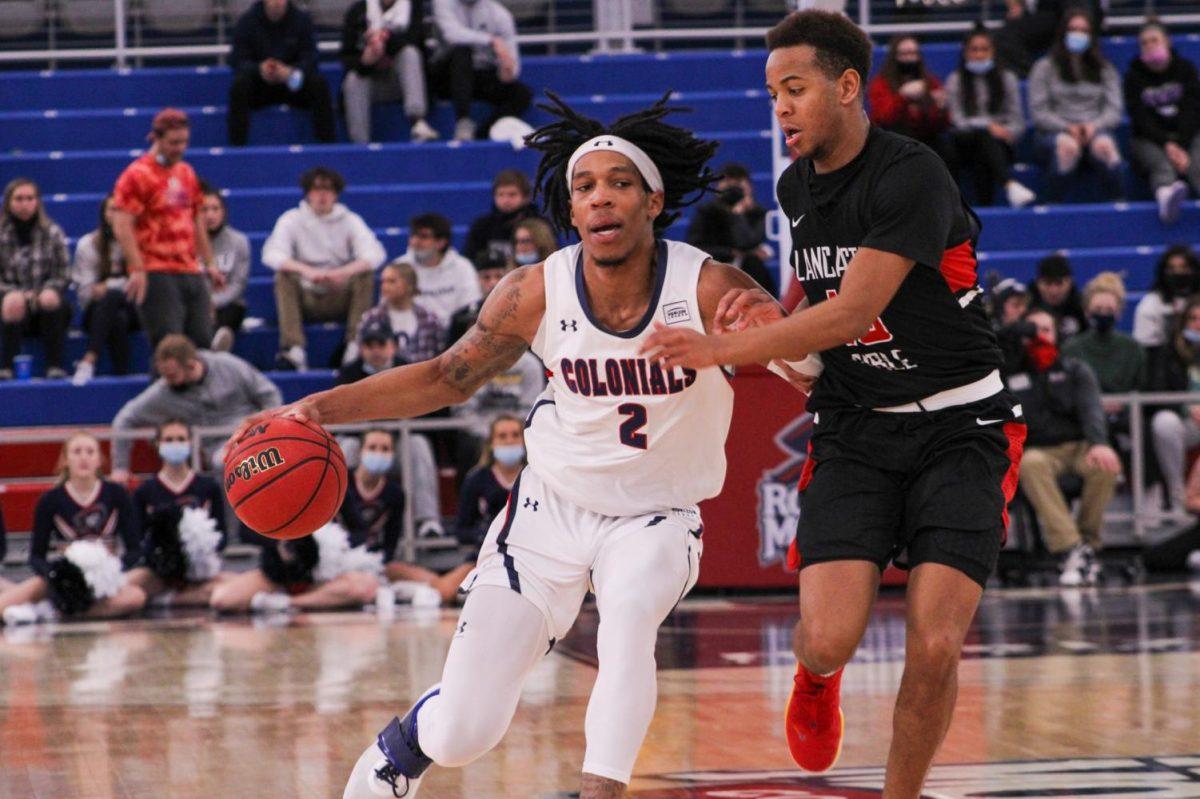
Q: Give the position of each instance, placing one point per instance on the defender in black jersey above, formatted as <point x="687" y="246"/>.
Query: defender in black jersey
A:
<point x="916" y="443"/>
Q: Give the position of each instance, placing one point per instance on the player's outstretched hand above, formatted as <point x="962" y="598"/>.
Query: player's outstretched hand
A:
<point x="740" y="309"/>
<point x="300" y="410"/>
<point x="679" y="347"/>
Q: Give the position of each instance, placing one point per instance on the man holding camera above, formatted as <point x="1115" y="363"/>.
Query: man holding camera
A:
<point x="732" y="227"/>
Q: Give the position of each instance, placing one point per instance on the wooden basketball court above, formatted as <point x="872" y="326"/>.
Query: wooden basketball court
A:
<point x="1063" y="693"/>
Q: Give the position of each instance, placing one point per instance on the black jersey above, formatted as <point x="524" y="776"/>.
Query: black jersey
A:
<point x="374" y="518"/>
<point x="107" y="516"/>
<point x="200" y="491"/>
<point x="896" y="196"/>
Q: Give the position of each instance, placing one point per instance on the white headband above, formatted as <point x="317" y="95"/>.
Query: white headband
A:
<point x="626" y="148"/>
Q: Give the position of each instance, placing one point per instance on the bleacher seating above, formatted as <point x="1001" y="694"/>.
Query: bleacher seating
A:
<point x="73" y="131"/>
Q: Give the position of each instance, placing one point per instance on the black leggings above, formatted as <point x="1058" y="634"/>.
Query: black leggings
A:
<point x="988" y="159"/>
<point x="457" y="79"/>
<point x="109" y="321"/>
<point x="49" y="326"/>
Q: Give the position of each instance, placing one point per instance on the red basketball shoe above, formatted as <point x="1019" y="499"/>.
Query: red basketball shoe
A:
<point x="814" y="720"/>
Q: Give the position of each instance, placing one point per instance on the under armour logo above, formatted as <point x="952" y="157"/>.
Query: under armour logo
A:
<point x="573" y="325"/>
<point x="603" y="143"/>
<point x="531" y="503"/>
<point x="462" y="626"/>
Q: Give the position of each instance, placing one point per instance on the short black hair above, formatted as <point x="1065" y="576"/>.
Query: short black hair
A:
<point x="322" y="173"/>
<point x="840" y="44"/>
<point x="735" y="171"/>
<point x="209" y="190"/>
<point x="681" y="157"/>
<point x="436" y="224"/>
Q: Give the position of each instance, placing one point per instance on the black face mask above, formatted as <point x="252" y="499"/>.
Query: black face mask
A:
<point x="909" y="69"/>
<point x="181" y="388"/>
<point x="731" y="195"/>
<point x="1103" y="323"/>
<point x="1179" y="283"/>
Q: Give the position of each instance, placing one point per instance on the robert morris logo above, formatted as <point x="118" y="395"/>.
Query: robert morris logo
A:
<point x="255" y="463"/>
<point x="778" y="500"/>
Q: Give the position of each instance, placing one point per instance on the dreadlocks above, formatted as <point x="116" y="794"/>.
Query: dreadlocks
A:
<point x="680" y="157"/>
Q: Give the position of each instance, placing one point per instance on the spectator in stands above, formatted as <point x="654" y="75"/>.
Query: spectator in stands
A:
<point x="1176" y="367"/>
<point x="1067" y="435"/>
<point x="176" y="485"/>
<point x="156" y="221"/>
<point x="1030" y="26"/>
<point x="1010" y="302"/>
<point x="986" y="121"/>
<point x="533" y="241"/>
<point x="732" y="227"/>
<point x="83" y="506"/>
<point x="907" y="98"/>
<point x="1075" y="103"/>
<point x="446" y="280"/>
<point x="1176" y="277"/>
<point x="373" y="513"/>
<point x="274" y="61"/>
<point x="512" y="202"/>
<point x="477" y="58"/>
<point x="33" y="278"/>
<point x="377" y="345"/>
<point x="420" y="333"/>
<point x="231" y="255"/>
<point x="382" y="58"/>
<point x="324" y="257"/>
<point x="1162" y="93"/>
<point x="485" y="490"/>
<point x="1055" y="291"/>
<point x="206" y="388"/>
<point x="109" y="318"/>
<point x="513" y="392"/>
<point x="491" y="270"/>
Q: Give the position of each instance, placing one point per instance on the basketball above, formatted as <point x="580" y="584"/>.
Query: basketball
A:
<point x="285" y="478"/>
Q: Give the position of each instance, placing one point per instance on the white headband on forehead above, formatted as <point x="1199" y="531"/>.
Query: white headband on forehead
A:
<point x="636" y="154"/>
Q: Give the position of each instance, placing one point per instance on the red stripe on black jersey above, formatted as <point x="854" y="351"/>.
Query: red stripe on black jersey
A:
<point x="1015" y="431"/>
<point x="959" y="265"/>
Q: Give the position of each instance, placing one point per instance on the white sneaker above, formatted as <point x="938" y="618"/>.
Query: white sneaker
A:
<point x="84" y="372"/>
<point x="223" y="340"/>
<point x="1170" y="201"/>
<point x="419" y="595"/>
<point x="422" y="132"/>
<point x="1077" y="566"/>
<point x="1018" y="195"/>
<point x="464" y="129"/>
<point x="24" y="613"/>
<point x="270" y="602"/>
<point x="374" y="777"/>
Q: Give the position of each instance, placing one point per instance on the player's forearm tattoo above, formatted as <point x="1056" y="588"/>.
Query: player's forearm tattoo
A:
<point x="594" y="787"/>
<point x="483" y="352"/>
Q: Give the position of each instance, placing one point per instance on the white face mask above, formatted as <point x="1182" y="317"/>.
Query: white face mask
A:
<point x="377" y="462"/>
<point x="425" y="257"/>
<point x="509" y="454"/>
<point x="174" y="453"/>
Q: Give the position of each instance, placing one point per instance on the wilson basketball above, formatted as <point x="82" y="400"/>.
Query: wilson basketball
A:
<point x="285" y="478"/>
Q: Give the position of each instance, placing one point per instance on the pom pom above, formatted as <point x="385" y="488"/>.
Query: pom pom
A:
<point x="162" y="549"/>
<point x="289" y="562"/>
<point x="338" y="557"/>
<point x="66" y="586"/>
<point x="200" y="538"/>
<point x="101" y="569"/>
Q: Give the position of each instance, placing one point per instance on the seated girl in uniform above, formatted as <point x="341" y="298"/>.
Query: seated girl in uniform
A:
<point x="88" y="521"/>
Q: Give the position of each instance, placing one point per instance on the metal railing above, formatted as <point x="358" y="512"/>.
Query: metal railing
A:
<point x="607" y="26"/>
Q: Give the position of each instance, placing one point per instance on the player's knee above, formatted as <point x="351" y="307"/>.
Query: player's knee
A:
<point x="824" y="650"/>
<point x="469" y="737"/>
<point x="629" y="624"/>
<point x="932" y="654"/>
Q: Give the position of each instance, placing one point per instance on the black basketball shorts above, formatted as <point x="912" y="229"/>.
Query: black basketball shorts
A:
<point x="911" y="488"/>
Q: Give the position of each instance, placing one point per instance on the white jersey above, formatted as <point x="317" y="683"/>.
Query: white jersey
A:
<point x="613" y="432"/>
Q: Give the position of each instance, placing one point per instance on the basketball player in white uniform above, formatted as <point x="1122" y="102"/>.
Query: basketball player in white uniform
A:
<point x="620" y="453"/>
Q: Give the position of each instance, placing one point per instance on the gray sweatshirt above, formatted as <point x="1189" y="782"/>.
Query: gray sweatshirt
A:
<point x="231" y="251"/>
<point x="230" y="390"/>
<point x="85" y="269"/>
<point x="1055" y="105"/>
<point x="474" y="25"/>
<point x="1010" y="115"/>
<point x="323" y="242"/>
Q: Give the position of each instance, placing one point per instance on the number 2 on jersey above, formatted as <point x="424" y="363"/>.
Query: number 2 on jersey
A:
<point x="877" y="334"/>
<point x="631" y="428"/>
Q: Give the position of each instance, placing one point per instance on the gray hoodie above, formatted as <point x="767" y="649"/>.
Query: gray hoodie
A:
<point x="473" y="25"/>
<point x="230" y="390"/>
<point x="1055" y="104"/>
<point x="231" y="251"/>
<point x="323" y="242"/>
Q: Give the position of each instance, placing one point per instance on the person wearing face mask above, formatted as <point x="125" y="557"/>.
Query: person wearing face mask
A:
<point x="231" y="254"/>
<point x="1176" y="277"/>
<point x="207" y="388"/>
<point x="986" y="121"/>
<point x="176" y="485"/>
<point x="906" y="98"/>
<point x="533" y="241"/>
<point x="1162" y="93"/>
<point x="1075" y="103"/>
<point x="512" y="202"/>
<point x="1068" y="434"/>
<point x="33" y="278"/>
<point x="485" y="490"/>
<point x="446" y="279"/>
<point x="731" y="227"/>
<point x="1175" y="430"/>
<point x="109" y="317"/>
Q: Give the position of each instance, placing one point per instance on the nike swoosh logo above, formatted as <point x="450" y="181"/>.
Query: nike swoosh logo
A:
<point x="982" y="422"/>
<point x="796" y="222"/>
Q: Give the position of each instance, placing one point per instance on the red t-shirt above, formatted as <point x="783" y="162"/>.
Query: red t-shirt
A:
<point x="165" y="201"/>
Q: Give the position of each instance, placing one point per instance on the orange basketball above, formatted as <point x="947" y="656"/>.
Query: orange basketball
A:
<point x="285" y="478"/>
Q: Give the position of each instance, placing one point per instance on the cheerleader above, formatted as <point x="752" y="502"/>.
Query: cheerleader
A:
<point x="80" y="527"/>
